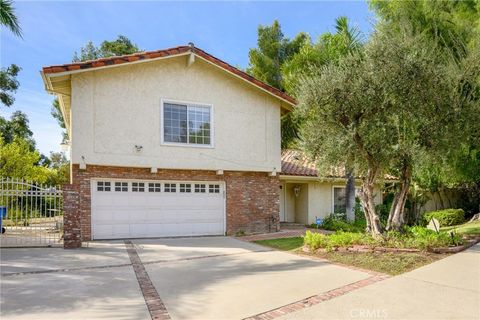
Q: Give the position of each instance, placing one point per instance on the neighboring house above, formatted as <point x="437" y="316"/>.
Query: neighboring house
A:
<point x="168" y="143"/>
<point x="305" y="195"/>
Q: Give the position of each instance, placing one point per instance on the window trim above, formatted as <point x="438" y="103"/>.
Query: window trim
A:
<point x="187" y="145"/>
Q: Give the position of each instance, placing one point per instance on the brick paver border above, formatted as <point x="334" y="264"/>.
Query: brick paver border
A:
<point x="155" y="305"/>
<point x="316" y="299"/>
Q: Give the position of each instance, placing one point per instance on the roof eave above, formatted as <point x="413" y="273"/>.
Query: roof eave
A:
<point x="289" y="104"/>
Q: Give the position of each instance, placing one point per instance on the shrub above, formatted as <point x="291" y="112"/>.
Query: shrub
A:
<point x="334" y="224"/>
<point x="420" y="238"/>
<point x="339" y="239"/>
<point x="446" y="217"/>
<point x="383" y="211"/>
<point x="423" y="238"/>
<point x="314" y="240"/>
<point x="412" y="237"/>
<point x="346" y="239"/>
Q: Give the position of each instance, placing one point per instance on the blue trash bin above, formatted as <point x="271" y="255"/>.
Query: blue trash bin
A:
<point x="3" y="215"/>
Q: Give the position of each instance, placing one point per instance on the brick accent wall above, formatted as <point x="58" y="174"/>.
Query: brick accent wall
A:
<point x="252" y="198"/>
<point x="71" y="217"/>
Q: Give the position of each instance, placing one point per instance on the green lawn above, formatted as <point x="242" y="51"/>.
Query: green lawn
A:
<point x="285" y="244"/>
<point x="466" y="228"/>
<point x="385" y="262"/>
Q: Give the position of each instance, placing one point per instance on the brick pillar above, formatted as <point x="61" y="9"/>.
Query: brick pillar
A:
<point x="72" y="236"/>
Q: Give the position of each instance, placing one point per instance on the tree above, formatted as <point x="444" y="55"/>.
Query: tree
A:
<point x="274" y="49"/>
<point x="17" y="160"/>
<point x="59" y="169"/>
<point x="121" y="46"/>
<point x="330" y="48"/>
<point x="8" y="84"/>
<point x="454" y="28"/>
<point x="88" y="52"/>
<point x="57" y="115"/>
<point x="8" y="76"/>
<point x="372" y="107"/>
<point x="8" y="18"/>
<point x="451" y="24"/>
<point x="17" y="128"/>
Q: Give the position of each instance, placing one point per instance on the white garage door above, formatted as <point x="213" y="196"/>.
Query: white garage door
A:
<point x="136" y="209"/>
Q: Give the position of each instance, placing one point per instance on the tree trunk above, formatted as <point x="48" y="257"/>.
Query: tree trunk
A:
<point x="350" y="194"/>
<point x="396" y="216"/>
<point x="366" y="196"/>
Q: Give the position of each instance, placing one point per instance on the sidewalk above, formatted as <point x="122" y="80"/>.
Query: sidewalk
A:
<point x="446" y="289"/>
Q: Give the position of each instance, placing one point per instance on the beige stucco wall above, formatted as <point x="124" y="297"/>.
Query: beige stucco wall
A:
<point x="302" y="205"/>
<point x="319" y="199"/>
<point x="289" y="204"/>
<point x="115" y="109"/>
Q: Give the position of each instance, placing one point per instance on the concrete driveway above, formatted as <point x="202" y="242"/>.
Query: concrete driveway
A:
<point x="195" y="278"/>
<point x="224" y="278"/>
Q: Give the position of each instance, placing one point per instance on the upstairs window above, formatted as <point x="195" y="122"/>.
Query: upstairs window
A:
<point x="187" y="124"/>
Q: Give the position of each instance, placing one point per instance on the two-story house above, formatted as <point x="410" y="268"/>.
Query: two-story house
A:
<point x="177" y="142"/>
<point x="172" y="142"/>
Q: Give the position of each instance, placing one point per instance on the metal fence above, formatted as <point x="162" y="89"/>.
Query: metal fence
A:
<point x="32" y="214"/>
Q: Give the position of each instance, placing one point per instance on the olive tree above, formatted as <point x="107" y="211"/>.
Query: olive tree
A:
<point x="379" y="108"/>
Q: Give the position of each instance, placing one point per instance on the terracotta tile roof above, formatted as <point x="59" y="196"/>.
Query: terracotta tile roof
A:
<point x="296" y="163"/>
<point x="116" y="60"/>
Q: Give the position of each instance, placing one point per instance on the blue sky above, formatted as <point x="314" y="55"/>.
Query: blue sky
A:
<point x="54" y="30"/>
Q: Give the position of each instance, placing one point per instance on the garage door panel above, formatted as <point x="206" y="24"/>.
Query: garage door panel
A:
<point x="156" y="213"/>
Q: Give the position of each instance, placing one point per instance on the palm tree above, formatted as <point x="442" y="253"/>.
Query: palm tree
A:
<point x="351" y="36"/>
<point x="8" y="18"/>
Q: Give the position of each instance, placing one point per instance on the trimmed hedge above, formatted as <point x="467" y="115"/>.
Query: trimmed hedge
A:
<point x="446" y="217"/>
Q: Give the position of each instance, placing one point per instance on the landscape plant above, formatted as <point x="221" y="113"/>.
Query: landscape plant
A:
<point x="446" y="217"/>
<point x="416" y="237"/>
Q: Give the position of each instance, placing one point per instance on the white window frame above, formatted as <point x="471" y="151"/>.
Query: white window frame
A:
<point x="187" y="144"/>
